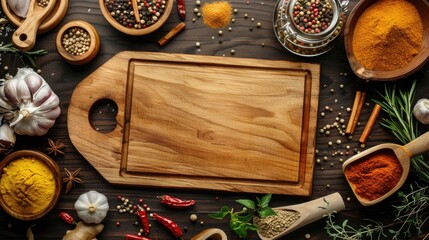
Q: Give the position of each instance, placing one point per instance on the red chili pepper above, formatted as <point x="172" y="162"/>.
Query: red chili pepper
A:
<point x="66" y="218"/>
<point x="176" y="202"/>
<point x="181" y="9"/>
<point x="143" y="218"/>
<point x="135" y="237"/>
<point x="168" y="223"/>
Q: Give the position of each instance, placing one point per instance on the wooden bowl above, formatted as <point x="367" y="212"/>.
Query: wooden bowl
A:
<point x="50" y="22"/>
<point x="94" y="46"/>
<point x="135" y="31"/>
<point x="418" y="61"/>
<point x="51" y="164"/>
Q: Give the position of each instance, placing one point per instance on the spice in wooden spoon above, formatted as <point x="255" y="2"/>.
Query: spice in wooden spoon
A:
<point x="377" y="173"/>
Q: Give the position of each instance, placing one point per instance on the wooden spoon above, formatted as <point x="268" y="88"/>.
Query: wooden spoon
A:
<point x="211" y="233"/>
<point x="403" y="153"/>
<point x="24" y="37"/>
<point x="310" y="211"/>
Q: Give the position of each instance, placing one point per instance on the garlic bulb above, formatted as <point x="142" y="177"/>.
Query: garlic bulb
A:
<point x="28" y="103"/>
<point x="19" y="7"/>
<point x="421" y="110"/>
<point x="92" y="207"/>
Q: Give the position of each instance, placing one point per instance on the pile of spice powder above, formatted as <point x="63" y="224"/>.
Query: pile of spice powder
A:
<point x="27" y="185"/>
<point x="217" y="14"/>
<point x="388" y="35"/>
<point x="272" y="226"/>
<point x="375" y="174"/>
<point x="149" y="10"/>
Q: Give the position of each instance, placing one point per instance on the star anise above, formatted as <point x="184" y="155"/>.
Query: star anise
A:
<point x="71" y="179"/>
<point x="55" y="147"/>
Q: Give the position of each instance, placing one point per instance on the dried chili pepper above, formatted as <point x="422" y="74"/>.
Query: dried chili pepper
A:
<point x="143" y="218"/>
<point x="170" y="224"/>
<point x="176" y="202"/>
<point x="181" y="9"/>
<point x="66" y="218"/>
<point x="135" y="237"/>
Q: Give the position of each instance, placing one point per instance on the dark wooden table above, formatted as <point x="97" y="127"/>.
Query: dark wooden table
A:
<point x="337" y="90"/>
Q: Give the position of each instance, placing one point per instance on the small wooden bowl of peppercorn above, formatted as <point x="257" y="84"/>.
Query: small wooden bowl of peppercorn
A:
<point x="387" y="40"/>
<point x="30" y="184"/>
<point x="78" y="42"/>
<point x="136" y="18"/>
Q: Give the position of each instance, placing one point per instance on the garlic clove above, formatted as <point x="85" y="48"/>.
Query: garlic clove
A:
<point x="19" y="7"/>
<point x="421" y="110"/>
<point x="7" y="138"/>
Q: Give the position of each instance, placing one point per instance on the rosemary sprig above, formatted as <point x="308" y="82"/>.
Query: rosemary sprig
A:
<point x="412" y="212"/>
<point x="21" y="54"/>
<point x="398" y="105"/>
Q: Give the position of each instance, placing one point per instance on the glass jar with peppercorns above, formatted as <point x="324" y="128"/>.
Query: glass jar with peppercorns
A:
<point x="309" y="27"/>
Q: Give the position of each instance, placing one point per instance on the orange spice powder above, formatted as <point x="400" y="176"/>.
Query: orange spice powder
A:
<point x="217" y="14"/>
<point x="388" y="35"/>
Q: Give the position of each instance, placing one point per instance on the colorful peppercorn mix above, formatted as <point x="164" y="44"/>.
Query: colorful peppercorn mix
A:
<point x="149" y="11"/>
<point x="312" y="16"/>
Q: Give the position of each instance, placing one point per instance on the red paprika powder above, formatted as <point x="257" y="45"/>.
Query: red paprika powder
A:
<point x="375" y="174"/>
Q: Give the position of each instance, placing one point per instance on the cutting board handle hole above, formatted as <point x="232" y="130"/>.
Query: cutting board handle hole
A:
<point x="102" y="115"/>
<point x="23" y="37"/>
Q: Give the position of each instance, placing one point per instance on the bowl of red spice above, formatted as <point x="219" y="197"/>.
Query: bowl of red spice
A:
<point x="136" y="17"/>
<point x="387" y="40"/>
<point x="30" y="184"/>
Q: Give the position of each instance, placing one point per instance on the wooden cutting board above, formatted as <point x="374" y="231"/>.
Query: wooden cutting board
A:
<point x="201" y="122"/>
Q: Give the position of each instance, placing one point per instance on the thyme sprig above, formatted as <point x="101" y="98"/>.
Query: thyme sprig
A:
<point x="23" y="55"/>
<point x="412" y="211"/>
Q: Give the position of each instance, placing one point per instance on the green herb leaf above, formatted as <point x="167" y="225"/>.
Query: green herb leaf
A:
<point x="221" y="214"/>
<point x="245" y="218"/>
<point x="267" y="211"/>
<point x="247" y="203"/>
<point x="265" y="200"/>
<point x="252" y="227"/>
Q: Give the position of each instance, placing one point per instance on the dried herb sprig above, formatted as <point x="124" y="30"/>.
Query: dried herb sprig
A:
<point x="241" y="221"/>
<point x="21" y="54"/>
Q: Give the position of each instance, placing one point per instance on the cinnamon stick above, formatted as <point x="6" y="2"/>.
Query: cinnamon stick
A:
<point x="350" y="127"/>
<point x="171" y="34"/>
<point x="370" y="124"/>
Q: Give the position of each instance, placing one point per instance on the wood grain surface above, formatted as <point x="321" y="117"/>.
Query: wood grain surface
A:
<point x="205" y="123"/>
<point x="337" y="89"/>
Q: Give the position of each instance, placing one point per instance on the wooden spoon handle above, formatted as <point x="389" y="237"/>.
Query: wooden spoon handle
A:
<point x="319" y="207"/>
<point x="211" y="233"/>
<point x="418" y="146"/>
<point x="24" y="38"/>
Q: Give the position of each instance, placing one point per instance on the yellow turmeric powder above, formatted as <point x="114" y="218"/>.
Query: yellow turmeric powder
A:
<point x="217" y="14"/>
<point x="388" y="35"/>
<point x="27" y="185"/>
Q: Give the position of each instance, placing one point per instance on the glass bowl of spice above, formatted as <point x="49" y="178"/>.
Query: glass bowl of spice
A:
<point x="309" y="27"/>
<point x="30" y="184"/>
<point x="136" y="17"/>
<point x="385" y="44"/>
<point x="78" y="42"/>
